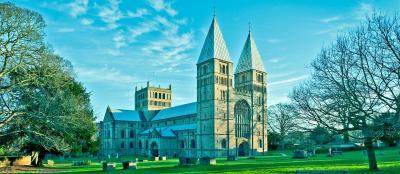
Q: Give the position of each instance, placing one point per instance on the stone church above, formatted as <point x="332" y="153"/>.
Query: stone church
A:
<point x="229" y="116"/>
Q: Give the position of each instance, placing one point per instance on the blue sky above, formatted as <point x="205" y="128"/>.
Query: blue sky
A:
<point x="116" y="45"/>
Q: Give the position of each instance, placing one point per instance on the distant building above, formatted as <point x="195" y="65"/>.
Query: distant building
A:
<point x="228" y="117"/>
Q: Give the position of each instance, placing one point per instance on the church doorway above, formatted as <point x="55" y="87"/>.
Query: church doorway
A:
<point x="154" y="149"/>
<point x="243" y="149"/>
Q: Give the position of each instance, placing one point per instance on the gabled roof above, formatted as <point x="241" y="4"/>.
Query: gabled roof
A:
<point x="125" y="115"/>
<point x="214" y="46"/>
<point x="250" y="58"/>
<point x="176" y="111"/>
<point x="169" y="131"/>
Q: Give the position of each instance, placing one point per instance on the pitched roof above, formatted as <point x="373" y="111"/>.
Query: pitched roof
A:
<point x="169" y="131"/>
<point x="177" y="111"/>
<point x="125" y="115"/>
<point x="250" y="59"/>
<point x="214" y="46"/>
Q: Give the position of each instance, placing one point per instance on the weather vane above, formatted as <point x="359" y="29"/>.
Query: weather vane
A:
<point x="214" y="10"/>
<point x="249" y="26"/>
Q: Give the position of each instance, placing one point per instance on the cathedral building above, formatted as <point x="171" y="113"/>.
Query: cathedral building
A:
<point x="228" y="118"/>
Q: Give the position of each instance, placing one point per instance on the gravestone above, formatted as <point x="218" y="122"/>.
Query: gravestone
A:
<point x="108" y="167"/>
<point x="163" y="158"/>
<point x="129" y="165"/>
<point x="154" y="158"/>
<point x="232" y="158"/>
<point x="300" y="154"/>
<point x="50" y="163"/>
<point x="208" y="161"/>
<point x="183" y="161"/>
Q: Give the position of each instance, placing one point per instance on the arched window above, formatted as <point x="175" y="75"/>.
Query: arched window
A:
<point x="192" y="144"/>
<point x="260" y="145"/>
<point x="131" y="145"/>
<point x="258" y="117"/>
<point x="182" y="144"/>
<point x="131" y="134"/>
<point x="223" y="143"/>
<point x="122" y="133"/>
<point x="147" y="144"/>
<point x="140" y="144"/>
<point x="122" y="145"/>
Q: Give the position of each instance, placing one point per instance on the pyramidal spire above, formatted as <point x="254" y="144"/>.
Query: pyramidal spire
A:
<point x="214" y="46"/>
<point x="250" y="58"/>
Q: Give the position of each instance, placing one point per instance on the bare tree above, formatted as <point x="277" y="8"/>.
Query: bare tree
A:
<point x="355" y="80"/>
<point x="282" y="120"/>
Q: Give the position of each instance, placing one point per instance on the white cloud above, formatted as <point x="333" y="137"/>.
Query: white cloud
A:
<point x="172" y="49"/>
<point x="274" y="60"/>
<point x="363" y="10"/>
<point x="65" y="30"/>
<point x="119" y="40"/>
<point x="114" y="52"/>
<point x="86" y="21"/>
<point x="333" y="30"/>
<point x="142" y="28"/>
<point x="278" y="99"/>
<point x="78" y="7"/>
<point x="330" y="19"/>
<point x="111" y="14"/>
<point x="105" y="74"/>
<point x="138" y="13"/>
<point x="274" y="40"/>
<point x="289" y="81"/>
<point x="161" y="5"/>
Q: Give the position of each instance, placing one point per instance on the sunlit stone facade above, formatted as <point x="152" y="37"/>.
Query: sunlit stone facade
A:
<point x="229" y="115"/>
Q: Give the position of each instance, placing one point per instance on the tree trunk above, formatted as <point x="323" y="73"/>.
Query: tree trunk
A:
<point x="371" y="154"/>
<point x="282" y="144"/>
<point x="346" y="137"/>
<point x="37" y="158"/>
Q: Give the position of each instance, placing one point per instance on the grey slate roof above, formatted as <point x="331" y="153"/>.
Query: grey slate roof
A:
<point x="176" y="111"/>
<point x="250" y="59"/>
<point x="125" y="115"/>
<point x="169" y="131"/>
<point x="214" y="46"/>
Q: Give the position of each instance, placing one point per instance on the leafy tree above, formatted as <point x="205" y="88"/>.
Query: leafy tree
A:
<point x="385" y="125"/>
<point x="282" y="120"/>
<point x="273" y="140"/>
<point x="44" y="109"/>
<point x="320" y="135"/>
<point x="21" y="39"/>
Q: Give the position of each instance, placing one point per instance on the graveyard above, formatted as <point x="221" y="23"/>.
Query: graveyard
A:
<point x="275" y="162"/>
<point x="158" y="86"/>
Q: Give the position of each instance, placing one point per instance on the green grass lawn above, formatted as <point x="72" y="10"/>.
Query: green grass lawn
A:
<point x="275" y="162"/>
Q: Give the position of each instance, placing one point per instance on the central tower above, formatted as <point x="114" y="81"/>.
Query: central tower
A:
<point x="214" y="93"/>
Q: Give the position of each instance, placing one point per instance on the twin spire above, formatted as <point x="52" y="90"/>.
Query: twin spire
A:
<point x="215" y="47"/>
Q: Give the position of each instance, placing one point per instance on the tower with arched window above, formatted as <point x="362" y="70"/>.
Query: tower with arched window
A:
<point x="214" y="92"/>
<point x="228" y="119"/>
<point x="251" y="96"/>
